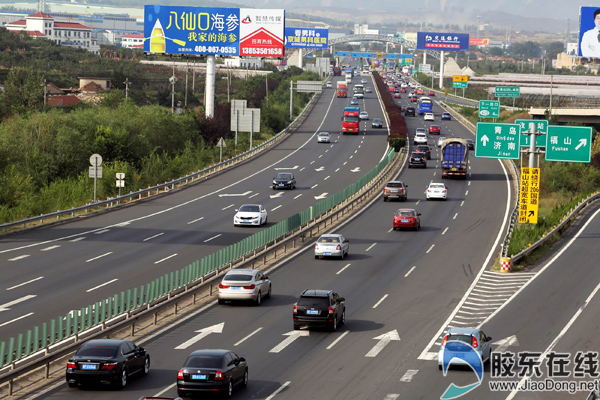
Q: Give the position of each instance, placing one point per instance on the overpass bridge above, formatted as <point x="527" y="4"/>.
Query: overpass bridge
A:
<point x="588" y="116"/>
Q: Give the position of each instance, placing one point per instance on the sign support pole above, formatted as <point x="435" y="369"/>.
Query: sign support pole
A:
<point x="251" y="127"/>
<point x="237" y="125"/>
<point x="532" y="140"/>
<point x="291" y="99"/>
<point x="441" y="69"/>
<point x="210" y="86"/>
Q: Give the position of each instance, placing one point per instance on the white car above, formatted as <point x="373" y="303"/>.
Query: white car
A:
<point x="323" y="137"/>
<point x="332" y="245"/>
<point x="420" y="138"/>
<point x="363" y="81"/>
<point x="428" y="117"/>
<point x="437" y="191"/>
<point x="328" y="84"/>
<point x="440" y="141"/>
<point x="244" y="284"/>
<point x="250" y="214"/>
<point x="363" y="115"/>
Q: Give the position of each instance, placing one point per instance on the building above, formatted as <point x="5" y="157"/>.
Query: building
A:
<point x="246" y="62"/>
<point x="363" y="29"/>
<point x="133" y="40"/>
<point x="72" y="34"/>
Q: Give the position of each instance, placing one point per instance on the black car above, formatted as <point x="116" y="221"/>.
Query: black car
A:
<point x="377" y="123"/>
<point x="284" y="180"/>
<point x="106" y="361"/>
<point x="471" y="144"/>
<point x="417" y="160"/>
<point x="409" y="111"/>
<point x="319" y="308"/>
<point x="424" y="149"/>
<point x="212" y="371"/>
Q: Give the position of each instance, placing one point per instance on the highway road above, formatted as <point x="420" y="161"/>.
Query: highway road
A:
<point x="50" y="271"/>
<point x="400" y="287"/>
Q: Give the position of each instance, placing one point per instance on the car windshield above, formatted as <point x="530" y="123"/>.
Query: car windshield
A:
<point x="394" y="184"/>
<point x="405" y="213"/>
<point x="247" y="208"/>
<point x="97" y="351"/>
<point x="329" y="239"/>
<point x="238" y="277"/>
<point x="203" y="361"/>
<point x="376" y="120"/>
<point x="284" y="176"/>
<point x="313" y="301"/>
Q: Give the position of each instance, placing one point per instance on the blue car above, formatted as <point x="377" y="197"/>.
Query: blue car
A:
<point x="446" y="115"/>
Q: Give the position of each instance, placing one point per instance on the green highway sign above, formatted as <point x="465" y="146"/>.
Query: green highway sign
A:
<point x="489" y="109"/>
<point x="569" y="143"/>
<point x="460" y="85"/>
<point x="496" y="140"/>
<point x="541" y="125"/>
<point x="508" y="91"/>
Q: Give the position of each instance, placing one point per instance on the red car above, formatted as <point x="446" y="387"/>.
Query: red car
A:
<point x="407" y="218"/>
<point x="397" y="96"/>
<point x="391" y="89"/>
<point x="404" y="90"/>
<point x="431" y="93"/>
<point x="413" y="99"/>
<point x="434" y="129"/>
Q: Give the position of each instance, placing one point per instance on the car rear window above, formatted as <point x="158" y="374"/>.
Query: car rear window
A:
<point x="313" y="301"/>
<point x="203" y="362"/>
<point x="460" y="338"/>
<point x="394" y="184"/>
<point x="436" y="186"/>
<point x="98" y="351"/>
<point x="238" y="277"/>
<point x="405" y="213"/>
<point x="329" y="239"/>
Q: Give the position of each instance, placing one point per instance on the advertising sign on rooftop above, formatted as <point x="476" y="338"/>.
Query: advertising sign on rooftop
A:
<point x="443" y="41"/>
<point x="589" y="45"/>
<point x="306" y="38"/>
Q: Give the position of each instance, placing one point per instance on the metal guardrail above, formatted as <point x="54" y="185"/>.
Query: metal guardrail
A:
<point x="115" y="201"/>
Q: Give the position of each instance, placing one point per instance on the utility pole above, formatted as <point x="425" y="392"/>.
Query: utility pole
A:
<point x="173" y="80"/>
<point x="126" y="87"/>
<point x="187" y="70"/>
<point x="45" y="92"/>
<point x="194" y="77"/>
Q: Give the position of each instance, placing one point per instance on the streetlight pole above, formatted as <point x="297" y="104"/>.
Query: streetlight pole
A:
<point x="126" y="87"/>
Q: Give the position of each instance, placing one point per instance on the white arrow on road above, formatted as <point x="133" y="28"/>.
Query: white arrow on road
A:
<point x="291" y="336"/>
<point x="321" y="168"/>
<point x="357" y="169"/>
<point x="274" y="196"/>
<point x="505" y="343"/>
<point x="485" y="140"/>
<point x="236" y="194"/>
<point x="582" y="142"/>
<point x="6" y="306"/>
<point x="203" y="333"/>
<point x="294" y="167"/>
<point x="383" y="341"/>
<point x="321" y="196"/>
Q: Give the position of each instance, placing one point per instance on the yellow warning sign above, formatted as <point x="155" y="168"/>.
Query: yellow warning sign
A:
<point x="460" y="78"/>
<point x="529" y="196"/>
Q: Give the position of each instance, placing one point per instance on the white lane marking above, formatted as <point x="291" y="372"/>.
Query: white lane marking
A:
<point x="102" y="231"/>
<point x="431" y="248"/>
<point x="202" y="333"/>
<point x="327" y="177"/>
<point x="391" y="396"/>
<point x="165" y="390"/>
<point x="314" y="186"/>
<point x="229" y="206"/>
<point x="466" y="193"/>
<point x="330" y="145"/>
<point x="407" y="377"/>
<point x="380" y="301"/>
<point x="77" y="239"/>
<point x="291" y="338"/>
<point x="50" y="248"/>
<point x="302" y="169"/>
<point x="391" y="229"/>
<point x="326" y="150"/>
<point x="196" y="220"/>
<point x="455" y="215"/>
<point x="152" y="237"/>
<point x="469" y="184"/>
<point x="321" y="156"/>
<point x="16" y="319"/>
<point x="25" y="283"/>
<point x="100" y="256"/>
<point x="345" y="163"/>
<point x="462" y="202"/>
<point x="340" y="271"/>
<point x="312" y="162"/>
<point x="278" y="390"/>
<point x="384" y="340"/>
<point x="336" y="170"/>
<point x="297" y="196"/>
<point x="6" y="306"/>
<point x="214" y="237"/>
<point x="417" y="203"/>
<point x="249" y="336"/>
<point x="99" y="286"/>
<point x="371" y="246"/>
<point x="445" y="230"/>
<point x="337" y="340"/>
<point x="411" y="270"/>
<point x="355" y="151"/>
<point x="166" y="258"/>
<point x="254" y="195"/>
<point x="19" y="257"/>
<point x="351" y="156"/>
<point x="279" y="206"/>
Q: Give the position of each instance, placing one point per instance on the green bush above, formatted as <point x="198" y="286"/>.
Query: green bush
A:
<point x="397" y="143"/>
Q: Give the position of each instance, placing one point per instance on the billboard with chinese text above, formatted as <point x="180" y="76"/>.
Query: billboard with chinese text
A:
<point x="306" y="38"/>
<point x="442" y="41"/>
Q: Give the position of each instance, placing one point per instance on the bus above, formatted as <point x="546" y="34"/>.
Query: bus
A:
<point x="359" y="91"/>
<point x="425" y="105"/>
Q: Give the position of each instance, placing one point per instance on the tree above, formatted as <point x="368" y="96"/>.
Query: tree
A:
<point x="496" y="51"/>
<point x="24" y="90"/>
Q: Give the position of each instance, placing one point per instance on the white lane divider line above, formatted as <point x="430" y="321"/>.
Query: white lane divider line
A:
<point x="229" y="206"/>
<point x="314" y="186"/>
<point x="462" y="202"/>
<point x="100" y="256"/>
<point x="77" y="239"/>
<point x="50" y="248"/>
<point x="431" y="248"/>
<point x="302" y="169"/>
<point x="278" y="390"/>
<point x="152" y="237"/>
<point x="16" y="319"/>
<point x="445" y="230"/>
<point x="380" y="301"/>
<point x="466" y="193"/>
<point x="326" y="150"/>
<point x="411" y="270"/>
<point x="337" y="170"/>
<point x="391" y="396"/>
<point x="327" y="177"/>
<point x="25" y="283"/>
<point x="249" y="336"/>
<point x="337" y="340"/>
<point x="312" y="162"/>
<point x="102" y="231"/>
<point x="196" y="220"/>
<point x="297" y="196"/>
<point x="434" y="173"/>
<point x="165" y="390"/>
<point x="166" y="258"/>
<point x="279" y="206"/>
<point x="355" y="151"/>
<point x="455" y="215"/>
<point x="19" y="257"/>
<point x="214" y="237"/>
<point x="469" y="184"/>
<point x="254" y="195"/>
<point x="407" y="377"/>
<point x="99" y="286"/>
<point x="417" y="203"/>
<point x="371" y="246"/>
<point x="351" y="156"/>
<point x="331" y="146"/>
<point x="346" y="162"/>
<point x="391" y="229"/>
<point x="321" y="156"/>
<point x="340" y="271"/>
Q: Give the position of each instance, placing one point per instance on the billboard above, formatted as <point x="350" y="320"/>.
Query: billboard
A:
<point x="213" y="30"/>
<point x="306" y="38"/>
<point x="589" y="45"/>
<point x="442" y="41"/>
<point x="479" y="42"/>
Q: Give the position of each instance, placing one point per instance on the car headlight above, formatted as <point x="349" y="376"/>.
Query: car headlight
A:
<point x="289" y="182"/>
<point x="274" y="181"/>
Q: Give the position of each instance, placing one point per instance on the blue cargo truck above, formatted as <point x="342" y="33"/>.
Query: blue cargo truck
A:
<point x="455" y="157"/>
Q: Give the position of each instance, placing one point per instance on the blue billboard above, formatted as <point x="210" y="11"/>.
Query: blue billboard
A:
<point x="443" y="41"/>
<point x="306" y="38"/>
<point x="589" y="45"/>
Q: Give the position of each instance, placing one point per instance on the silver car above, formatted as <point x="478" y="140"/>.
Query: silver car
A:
<point x="323" y="137"/>
<point x="244" y="284"/>
<point x="363" y="115"/>
<point x="332" y="245"/>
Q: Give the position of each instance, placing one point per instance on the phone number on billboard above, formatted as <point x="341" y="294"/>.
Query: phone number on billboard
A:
<point x="262" y="51"/>
<point x="215" y="50"/>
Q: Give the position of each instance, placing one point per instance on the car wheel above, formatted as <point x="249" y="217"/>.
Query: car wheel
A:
<point x="296" y="327"/>
<point x="245" y="381"/>
<point x="427" y="198"/>
<point x="385" y="199"/>
<point x="266" y="219"/>
<point x="229" y="392"/>
<point x="439" y="367"/>
<point x="274" y="188"/>
<point x="418" y="226"/>
<point x="221" y="301"/>
<point x="72" y="384"/>
<point x="342" y="256"/>
<point x="343" y="321"/>
<point x="334" y="325"/>
<point x="316" y="257"/>
<point x="258" y="298"/>
<point x="123" y="381"/>
<point x="146" y="366"/>
<point x="269" y="293"/>
<point x="180" y="394"/>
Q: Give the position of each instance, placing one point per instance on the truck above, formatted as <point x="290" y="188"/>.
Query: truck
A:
<point x="350" y="71"/>
<point x="359" y="91"/>
<point x="350" y="124"/>
<point x="455" y="157"/>
<point x="337" y="71"/>
<point x="352" y="111"/>
<point x="342" y="90"/>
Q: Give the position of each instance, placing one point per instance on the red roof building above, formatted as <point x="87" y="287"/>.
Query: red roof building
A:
<point x="133" y="40"/>
<point x="62" y="101"/>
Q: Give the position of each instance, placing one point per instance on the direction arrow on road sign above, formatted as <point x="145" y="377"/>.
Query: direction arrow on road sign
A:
<point x="497" y="140"/>
<point x="291" y="336"/>
<point x="203" y="333"/>
<point x="569" y="143"/>
<point x="489" y="109"/>
<point x="541" y="126"/>
<point x="383" y="341"/>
